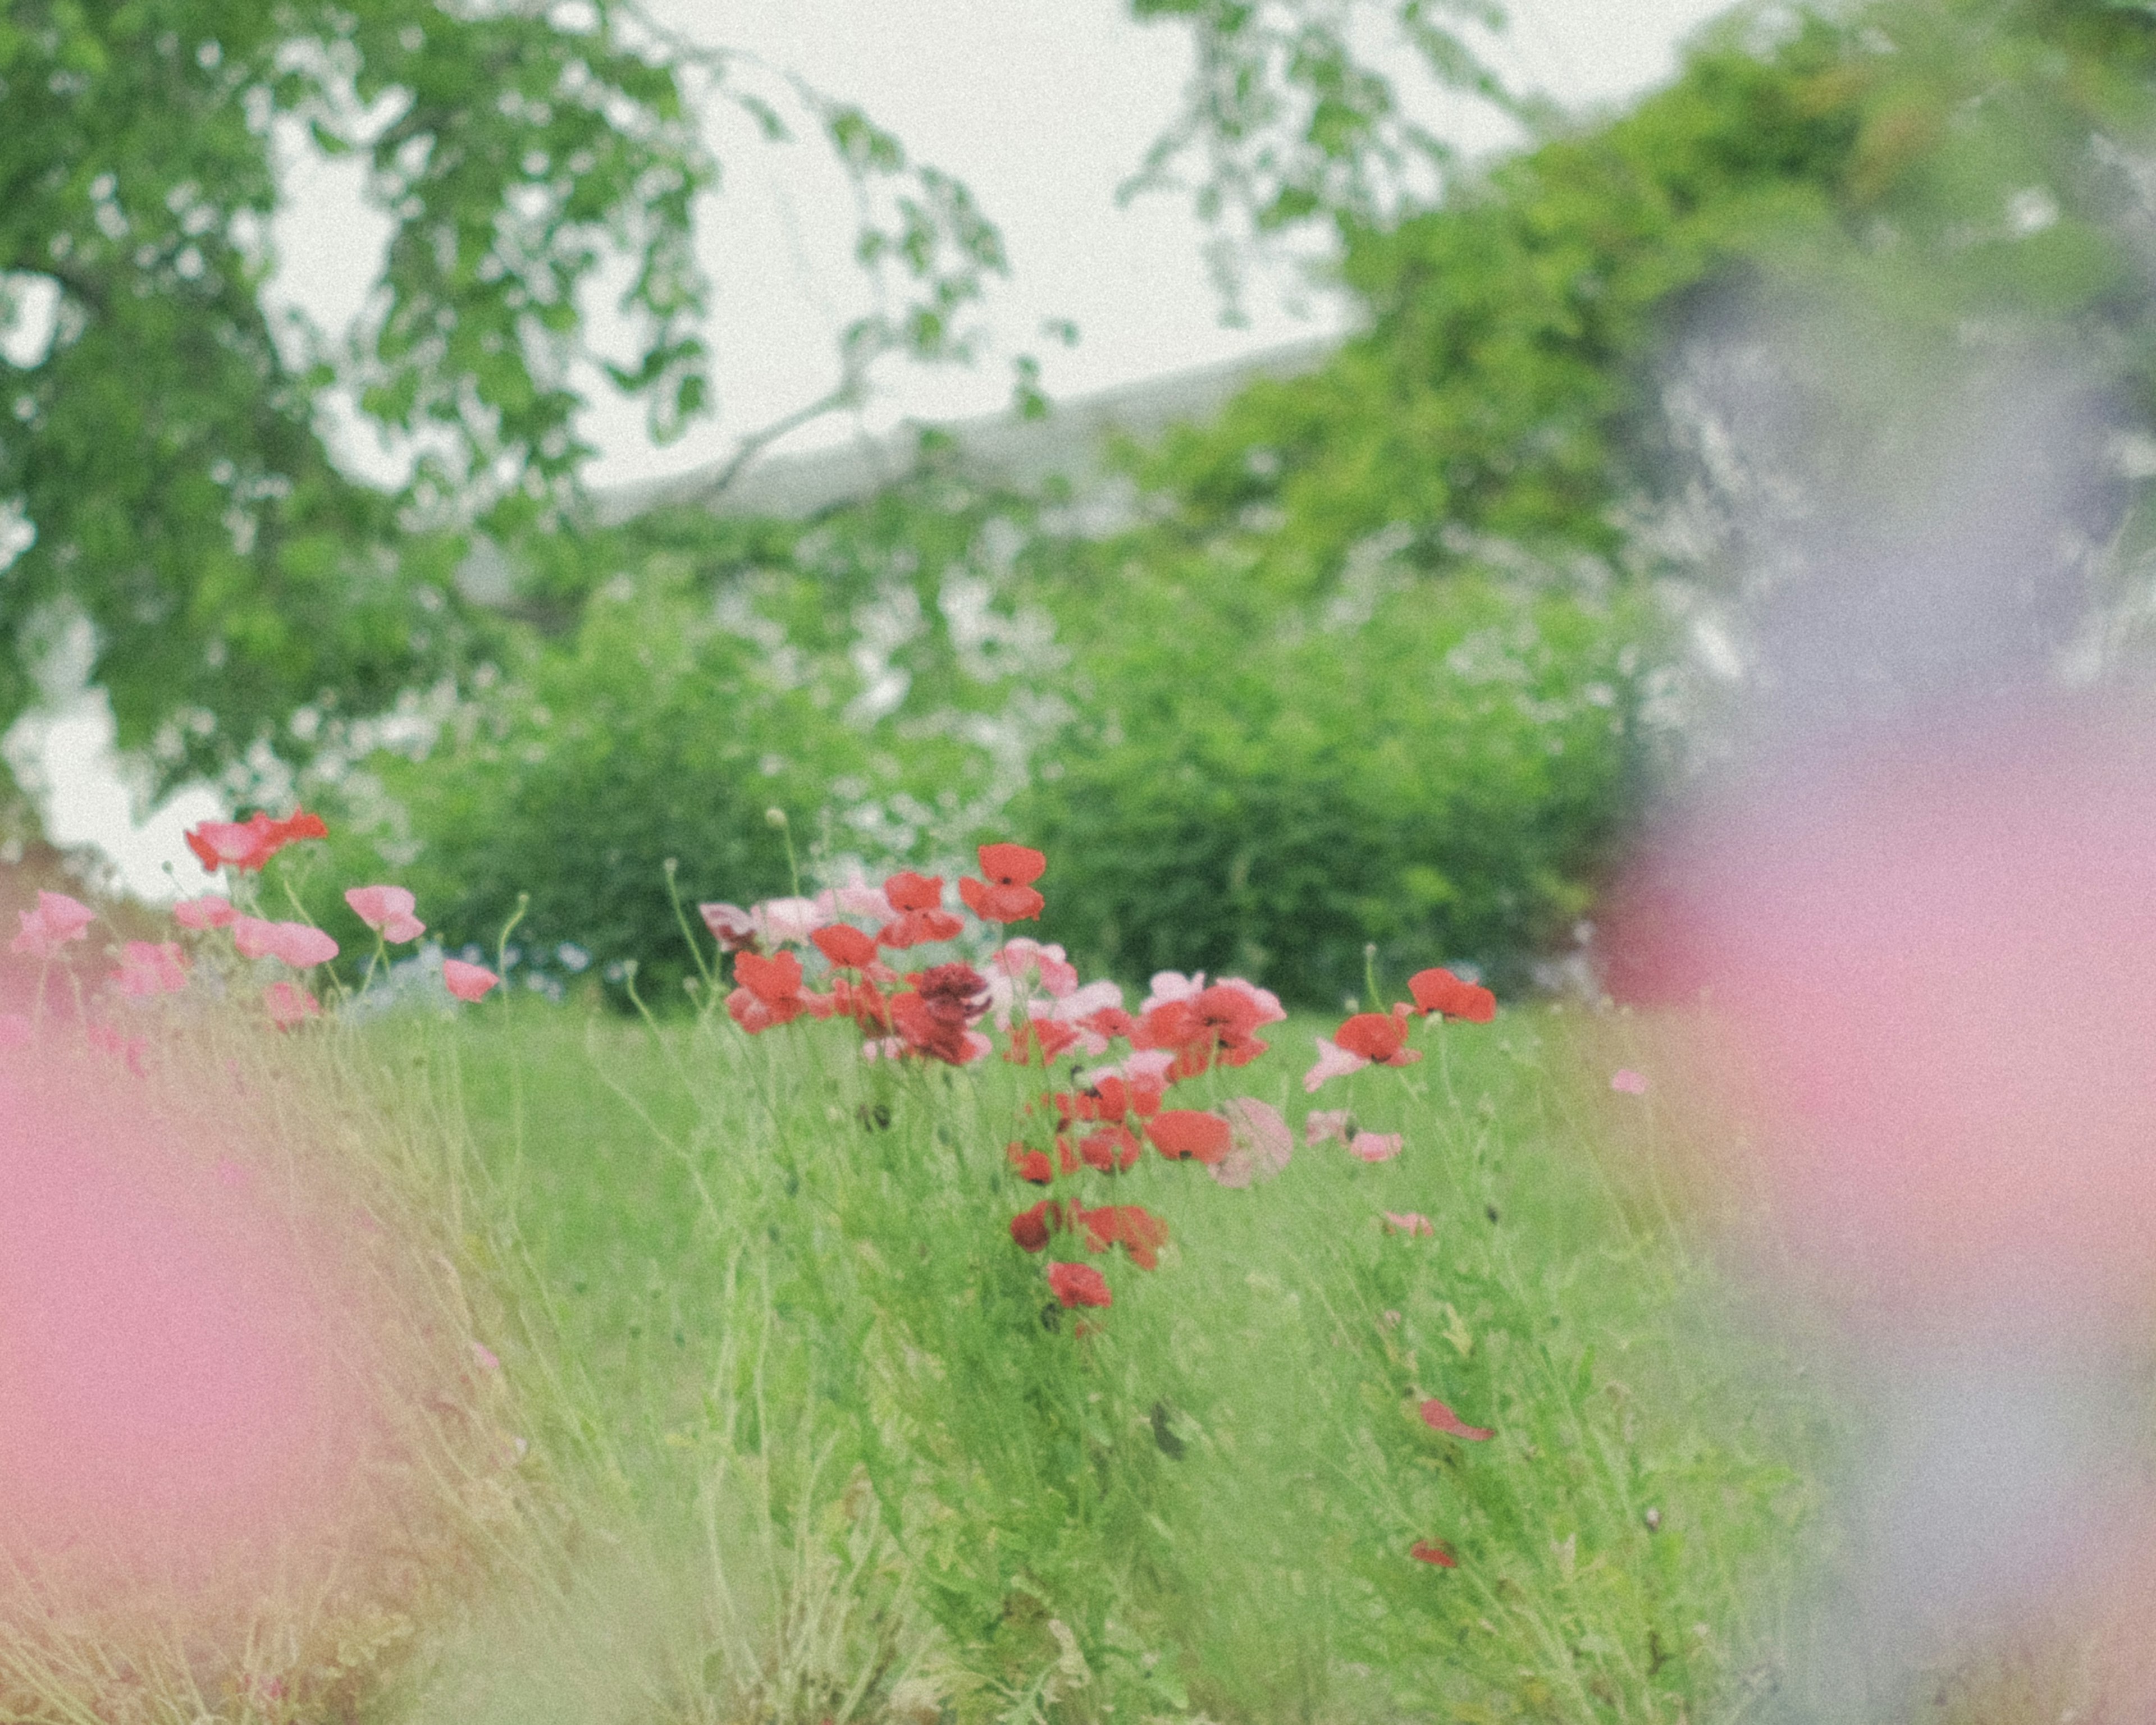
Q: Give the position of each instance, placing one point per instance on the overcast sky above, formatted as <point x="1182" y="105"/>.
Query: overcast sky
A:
<point x="1043" y="107"/>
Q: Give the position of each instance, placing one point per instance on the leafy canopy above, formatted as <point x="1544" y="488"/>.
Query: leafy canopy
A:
<point x="159" y="456"/>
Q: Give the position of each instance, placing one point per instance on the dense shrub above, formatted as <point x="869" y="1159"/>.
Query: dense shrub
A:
<point x="1435" y="764"/>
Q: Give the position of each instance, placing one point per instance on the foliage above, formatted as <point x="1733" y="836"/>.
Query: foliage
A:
<point x="162" y="453"/>
<point x="1391" y="653"/>
<point x="1294" y="124"/>
<point x="1266" y="780"/>
<point x="874" y="678"/>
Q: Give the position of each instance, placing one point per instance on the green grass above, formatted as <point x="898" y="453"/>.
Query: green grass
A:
<point x="826" y="1459"/>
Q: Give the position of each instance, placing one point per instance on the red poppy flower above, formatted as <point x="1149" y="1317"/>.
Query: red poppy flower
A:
<point x="1128" y="1225"/>
<point x="1111" y="1150"/>
<point x="1440" y="1418"/>
<point x="1078" y="1285"/>
<point x="1006" y="895"/>
<point x="1032" y="1227"/>
<point x="845" y="946"/>
<point x="909" y="891"/>
<point x="771" y="980"/>
<point x="863" y="1003"/>
<point x="1109" y="1021"/>
<point x="918" y="900"/>
<point x="771" y="993"/>
<point x="919" y="928"/>
<point x="1039" y="1040"/>
<point x="1440" y="991"/>
<point x="1433" y="1551"/>
<point x="1180" y="1133"/>
<point x="1171" y="1024"/>
<point x="251" y="843"/>
<point x="1379" y="1036"/>
<point x="1030" y="1164"/>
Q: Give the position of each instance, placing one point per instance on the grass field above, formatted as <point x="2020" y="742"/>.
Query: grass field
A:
<point x="825" y="1449"/>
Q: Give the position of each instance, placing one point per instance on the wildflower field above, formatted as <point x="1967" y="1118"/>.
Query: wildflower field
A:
<point x="912" y="1331"/>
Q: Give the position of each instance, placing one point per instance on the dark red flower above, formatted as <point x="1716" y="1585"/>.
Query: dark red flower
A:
<point x="845" y="946"/>
<point x="1433" y="1551"/>
<point x="1440" y="1418"/>
<point x="1111" y="1149"/>
<point x="936" y="1019"/>
<point x="1078" y="1285"/>
<point x="1006" y="895"/>
<point x="1128" y="1225"/>
<point x="1179" y="1133"/>
<point x="1031" y="1228"/>
<point x="1379" y="1036"/>
<point x="731" y="926"/>
<point x="1440" y="991"/>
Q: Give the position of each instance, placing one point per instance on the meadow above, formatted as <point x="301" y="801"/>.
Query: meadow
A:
<point x="855" y="1463"/>
<point x="889" y="1352"/>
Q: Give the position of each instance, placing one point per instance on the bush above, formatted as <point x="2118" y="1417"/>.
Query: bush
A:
<point x="1436" y="765"/>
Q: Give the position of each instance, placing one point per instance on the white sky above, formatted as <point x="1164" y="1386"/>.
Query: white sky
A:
<point x="1043" y="107"/>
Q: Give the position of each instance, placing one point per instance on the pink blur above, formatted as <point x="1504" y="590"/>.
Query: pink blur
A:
<point x="1934" y="962"/>
<point x="186" y="1367"/>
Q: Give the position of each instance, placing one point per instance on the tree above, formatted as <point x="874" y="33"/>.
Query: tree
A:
<point x="159" y="456"/>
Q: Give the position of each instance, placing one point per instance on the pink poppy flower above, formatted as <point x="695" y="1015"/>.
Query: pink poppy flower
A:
<point x="1172" y="985"/>
<point x="1260" y="1142"/>
<point x="251" y="843"/>
<point x="289" y="1004"/>
<point x="1323" y="1124"/>
<point x="56" y="920"/>
<point x="386" y="910"/>
<point x="1078" y="1285"/>
<point x="1375" y="1147"/>
<point x="1059" y="977"/>
<point x="789" y="919"/>
<point x="152" y="968"/>
<point x="467" y="981"/>
<point x="857" y="898"/>
<point x="1411" y="1222"/>
<point x="1440" y="1418"/>
<point x="486" y="1355"/>
<point x="1333" y="1062"/>
<point x="295" y="943"/>
<point x="208" y="912"/>
<point x="1628" y="1082"/>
